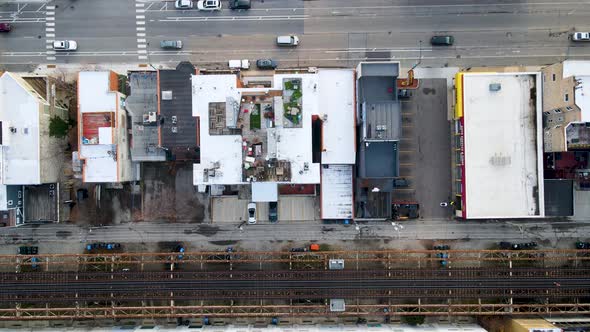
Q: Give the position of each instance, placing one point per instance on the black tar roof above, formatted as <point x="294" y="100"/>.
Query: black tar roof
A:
<point x="179" y="138"/>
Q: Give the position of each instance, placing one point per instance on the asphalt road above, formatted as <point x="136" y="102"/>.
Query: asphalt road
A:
<point x="147" y="232"/>
<point x="333" y="32"/>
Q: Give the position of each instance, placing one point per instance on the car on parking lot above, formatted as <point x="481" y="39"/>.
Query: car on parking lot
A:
<point x="251" y="213"/>
<point x="266" y="64"/>
<point x="209" y="5"/>
<point x="400" y="182"/>
<point x="442" y="40"/>
<point x="174" y="44"/>
<point x="183" y="4"/>
<point x="240" y="4"/>
<point x="273" y="215"/>
<point x="581" y="36"/>
<point x="403" y="94"/>
<point x="5" y="27"/>
<point x="65" y="45"/>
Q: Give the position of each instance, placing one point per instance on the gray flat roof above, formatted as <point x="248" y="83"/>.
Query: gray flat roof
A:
<point x="378" y="69"/>
<point x="381" y="121"/>
<point x="379" y="160"/>
<point x="143" y="99"/>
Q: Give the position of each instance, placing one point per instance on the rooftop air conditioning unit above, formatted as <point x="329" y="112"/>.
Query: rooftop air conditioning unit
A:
<point x="167" y="95"/>
<point x="495" y="87"/>
<point x="152" y="116"/>
<point x="174" y="130"/>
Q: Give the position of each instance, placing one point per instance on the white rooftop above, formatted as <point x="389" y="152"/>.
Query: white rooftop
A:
<point x="330" y="92"/>
<point x="94" y="96"/>
<point x="336" y="89"/>
<point x="295" y="144"/>
<point x="337" y="198"/>
<point x="20" y="147"/>
<point x="226" y="150"/>
<point x="580" y="69"/>
<point x="503" y="149"/>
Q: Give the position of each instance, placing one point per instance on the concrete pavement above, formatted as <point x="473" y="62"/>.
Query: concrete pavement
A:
<point x="551" y="232"/>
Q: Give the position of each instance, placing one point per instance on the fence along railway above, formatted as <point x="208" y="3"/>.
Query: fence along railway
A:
<point x="286" y="284"/>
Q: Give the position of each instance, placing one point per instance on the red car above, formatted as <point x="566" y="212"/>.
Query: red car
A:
<point x="4" y="27"/>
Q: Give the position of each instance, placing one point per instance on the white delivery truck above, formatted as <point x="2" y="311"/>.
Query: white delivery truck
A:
<point x="239" y="64"/>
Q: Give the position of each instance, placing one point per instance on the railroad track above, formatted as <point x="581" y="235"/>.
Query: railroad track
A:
<point x="309" y="284"/>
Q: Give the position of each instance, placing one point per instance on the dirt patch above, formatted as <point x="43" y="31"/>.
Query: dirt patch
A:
<point x="168" y="194"/>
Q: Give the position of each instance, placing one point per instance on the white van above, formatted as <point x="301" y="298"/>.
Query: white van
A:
<point x="291" y="40"/>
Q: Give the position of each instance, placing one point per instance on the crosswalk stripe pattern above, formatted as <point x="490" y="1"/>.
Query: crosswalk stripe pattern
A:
<point x="140" y="27"/>
<point x="49" y="32"/>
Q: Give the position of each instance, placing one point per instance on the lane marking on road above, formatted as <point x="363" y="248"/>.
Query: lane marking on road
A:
<point x="49" y="18"/>
<point x="141" y="45"/>
<point x="140" y="28"/>
<point x="142" y="51"/>
<point x="140" y="10"/>
<point x="142" y="57"/>
<point x="140" y="17"/>
<point x="50" y="35"/>
<point x="140" y="22"/>
<point x="49" y="7"/>
<point x="50" y="24"/>
<point x="51" y="58"/>
<point x="140" y="34"/>
<point x="139" y="4"/>
<point x="49" y="29"/>
<point x="141" y="40"/>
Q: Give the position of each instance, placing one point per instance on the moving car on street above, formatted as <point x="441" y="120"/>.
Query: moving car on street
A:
<point x="442" y="40"/>
<point x="209" y="5"/>
<point x="5" y="27"/>
<point x="290" y="40"/>
<point x="581" y="36"/>
<point x="175" y="44"/>
<point x="65" y="45"/>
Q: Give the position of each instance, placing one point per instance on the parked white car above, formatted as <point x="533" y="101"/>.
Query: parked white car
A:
<point x="581" y="36"/>
<point x="251" y="213"/>
<point x="65" y="45"/>
<point x="183" y="4"/>
<point x="209" y="5"/>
